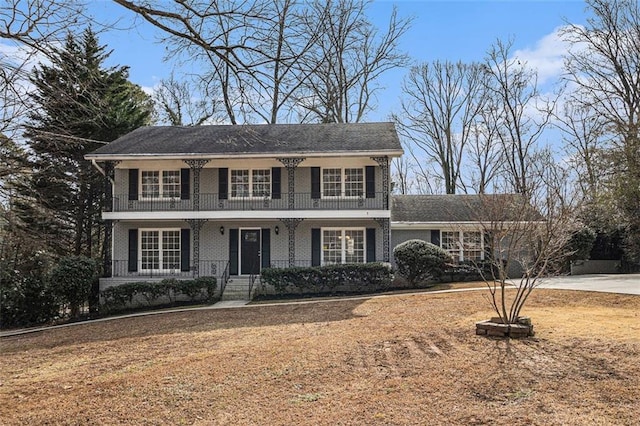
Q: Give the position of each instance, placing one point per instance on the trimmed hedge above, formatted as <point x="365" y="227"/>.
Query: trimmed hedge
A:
<point x="352" y="277"/>
<point x="123" y="296"/>
<point x="419" y="261"/>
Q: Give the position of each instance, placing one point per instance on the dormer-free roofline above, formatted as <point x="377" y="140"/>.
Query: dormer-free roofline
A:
<point x="254" y="141"/>
<point x="240" y="156"/>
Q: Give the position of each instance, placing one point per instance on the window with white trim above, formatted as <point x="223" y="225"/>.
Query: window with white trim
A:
<point x="343" y="246"/>
<point x="472" y="246"/>
<point x="450" y="242"/>
<point x="160" y="249"/>
<point x="250" y="183"/>
<point x="160" y="183"/>
<point x="463" y="245"/>
<point x="348" y="182"/>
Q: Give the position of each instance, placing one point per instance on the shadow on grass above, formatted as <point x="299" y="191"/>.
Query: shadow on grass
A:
<point x="188" y="321"/>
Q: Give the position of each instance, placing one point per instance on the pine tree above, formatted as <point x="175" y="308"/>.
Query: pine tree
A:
<point x="78" y="105"/>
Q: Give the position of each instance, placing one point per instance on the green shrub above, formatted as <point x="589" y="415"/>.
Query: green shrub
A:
<point x="71" y="281"/>
<point x="419" y="261"/>
<point x="208" y="284"/>
<point x="25" y="294"/>
<point x="122" y="296"/>
<point x="581" y="243"/>
<point x="358" y="277"/>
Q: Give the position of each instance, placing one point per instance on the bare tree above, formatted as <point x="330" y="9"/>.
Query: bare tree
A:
<point x="484" y="153"/>
<point x="346" y="60"/>
<point x="441" y="102"/>
<point x="583" y="132"/>
<point x="274" y="60"/>
<point x="28" y="28"/>
<point x="604" y="64"/>
<point x="179" y="104"/>
<point x="401" y="175"/>
<point x="522" y="114"/>
<point x="526" y="238"/>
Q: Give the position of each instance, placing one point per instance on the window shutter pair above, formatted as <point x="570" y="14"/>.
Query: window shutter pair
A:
<point x="369" y="178"/>
<point x="370" y="240"/>
<point x="185" y="250"/>
<point x="134" y="187"/>
<point x="223" y="183"/>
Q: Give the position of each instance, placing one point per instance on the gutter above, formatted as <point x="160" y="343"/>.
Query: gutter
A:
<point x="242" y="155"/>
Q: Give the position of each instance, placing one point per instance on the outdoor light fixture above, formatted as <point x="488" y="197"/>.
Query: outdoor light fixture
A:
<point x="222" y="230"/>
<point x="277" y="230"/>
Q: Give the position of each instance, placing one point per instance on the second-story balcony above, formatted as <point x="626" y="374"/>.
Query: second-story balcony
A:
<point x="214" y="202"/>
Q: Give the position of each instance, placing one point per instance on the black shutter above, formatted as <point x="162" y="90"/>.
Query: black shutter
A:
<point x="435" y="237"/>
<point x="371" y="244"/>
<point x="233" y="251"/>
<point x="370" y="181"/>
<point x="315" y="247"/>
<point x="184" y="184"/>
<point x="223" y="183"/>
<point x="133" y="184"/>
<point x="315" y="182"/>
<point x="185" y="250"/>
<point x="266" y="248"/>
<point x="276" y="191"/>
<point x="133" y="250"/>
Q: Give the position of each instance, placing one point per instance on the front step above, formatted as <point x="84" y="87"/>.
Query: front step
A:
<point x="237" y="288"/>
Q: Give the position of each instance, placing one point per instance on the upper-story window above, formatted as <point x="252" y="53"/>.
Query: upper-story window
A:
<point x="160" y="183"/>
<point x="337" y="182"/>
<point x="250" y="183"/>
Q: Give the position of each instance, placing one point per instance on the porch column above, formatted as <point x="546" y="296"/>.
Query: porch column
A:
<point x="383" y="162"/>
<point x="385" y="224"/>
<point x="291" y="164"/>
<point x="292" y="224"/>
<point x="109" y="175"/>
<point x="196" y="225"/>
<point x="196" y="166"/>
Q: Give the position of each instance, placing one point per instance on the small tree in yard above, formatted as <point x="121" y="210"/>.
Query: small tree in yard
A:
<point x="71" y="281"/>
<point x="525" y="237"/>
<point x="419" y="261"/>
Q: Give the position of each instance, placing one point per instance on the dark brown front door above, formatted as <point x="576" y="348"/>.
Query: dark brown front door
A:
<point x="249" y="251"/>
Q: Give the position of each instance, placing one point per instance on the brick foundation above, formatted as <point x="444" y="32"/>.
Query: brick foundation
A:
<point x="495" y="327"/>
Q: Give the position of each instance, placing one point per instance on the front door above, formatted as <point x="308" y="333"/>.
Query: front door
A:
<point x="249" y="251"/>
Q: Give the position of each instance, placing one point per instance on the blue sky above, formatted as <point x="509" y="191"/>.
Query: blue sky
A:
<point x="445" y="29"/>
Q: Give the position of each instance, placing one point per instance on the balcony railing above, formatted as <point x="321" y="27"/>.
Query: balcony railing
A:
<point x="213" y="202"/>
<point x="206" y="268"/>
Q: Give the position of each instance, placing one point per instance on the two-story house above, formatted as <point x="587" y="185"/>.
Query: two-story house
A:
<point x="213" y="200"/>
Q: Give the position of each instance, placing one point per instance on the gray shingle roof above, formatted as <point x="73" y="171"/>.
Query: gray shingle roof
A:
<point x="279" y="139"/>
<point x="460" y="208"/>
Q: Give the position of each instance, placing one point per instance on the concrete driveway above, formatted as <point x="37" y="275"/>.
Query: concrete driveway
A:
<point x="626" y="284"/>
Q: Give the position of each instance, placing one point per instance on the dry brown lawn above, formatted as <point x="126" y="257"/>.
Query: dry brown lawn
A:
<point x="397" y="360"/>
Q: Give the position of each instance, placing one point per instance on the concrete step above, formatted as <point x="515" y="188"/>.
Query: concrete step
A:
<point x="237" y="289"/>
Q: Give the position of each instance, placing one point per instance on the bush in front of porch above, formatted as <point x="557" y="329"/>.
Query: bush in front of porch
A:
<point x="131" y="295"/>
<point x="347" y="278"/>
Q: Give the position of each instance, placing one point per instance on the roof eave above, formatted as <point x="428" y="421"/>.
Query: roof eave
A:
<point x="240" y="155"/>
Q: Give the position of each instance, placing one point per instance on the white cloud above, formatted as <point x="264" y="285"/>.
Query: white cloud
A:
<point x="17" y="55"/>
<point x="546" y="57"/>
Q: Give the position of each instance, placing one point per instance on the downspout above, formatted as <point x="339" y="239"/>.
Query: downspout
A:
<point x="103" y="173"/>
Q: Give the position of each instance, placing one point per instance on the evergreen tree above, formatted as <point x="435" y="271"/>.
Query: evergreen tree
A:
<point x="78" y="105"/>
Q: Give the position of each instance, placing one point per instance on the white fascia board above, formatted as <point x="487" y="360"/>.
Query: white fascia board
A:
<point x="248" y="155"/>
<point x="248" y="215"/>
<point x="451" y="225"/>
